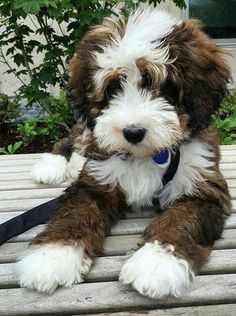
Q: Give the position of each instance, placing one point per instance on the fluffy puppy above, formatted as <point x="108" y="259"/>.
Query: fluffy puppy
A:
<point x="141" y="85"/>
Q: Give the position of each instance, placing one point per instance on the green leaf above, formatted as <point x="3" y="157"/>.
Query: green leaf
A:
<point x="3" y="150"/>
<point x="10" y="148"/>
<point x="18" y="59"/>
<point x="17" y="145"/>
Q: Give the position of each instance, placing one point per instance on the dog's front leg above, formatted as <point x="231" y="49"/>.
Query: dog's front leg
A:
<point x="63" y="252"/>
<point x="175" y="246"/>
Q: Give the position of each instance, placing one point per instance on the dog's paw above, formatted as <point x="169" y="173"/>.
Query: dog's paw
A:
<point x="50" y="169"/>
<point x="44" y="268"/>
<point x="155" y="272"/>
<point x="75" y="166"/>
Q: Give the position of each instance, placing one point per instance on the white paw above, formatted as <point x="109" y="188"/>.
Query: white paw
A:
<point x="44" y="268"/>
<point x="75" y="166"/>
<point x="155" y="272"/>
<point x="50" y="169"/>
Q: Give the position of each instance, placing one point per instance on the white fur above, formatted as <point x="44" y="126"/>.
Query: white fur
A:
<point x="155" y="272"/>
<point x="50" y="169"/>
<point x="144" y="33"/>
<point x="140" y="178"/>
<point x="75" y="166"/>
<point x="195" y="160"/>
<point x="135" y="106"/>
<point x="44" y="268"/>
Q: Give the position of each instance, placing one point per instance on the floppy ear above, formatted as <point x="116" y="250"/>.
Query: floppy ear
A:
<point x="83" y="66"/>
<point x="199" y="72"/>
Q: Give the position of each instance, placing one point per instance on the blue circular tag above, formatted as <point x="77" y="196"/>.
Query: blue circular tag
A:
<point x="161" y="157"/>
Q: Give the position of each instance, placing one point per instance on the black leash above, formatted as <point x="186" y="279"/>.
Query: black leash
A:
<point x="19" y="224"/>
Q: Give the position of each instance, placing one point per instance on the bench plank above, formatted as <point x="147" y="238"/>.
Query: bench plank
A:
<point x="212" y="310"/>
<point x="113" y="296"/>
<point x="122" y="227"/>
<point x="108" y="268"/>
<point x="113" y="245"/>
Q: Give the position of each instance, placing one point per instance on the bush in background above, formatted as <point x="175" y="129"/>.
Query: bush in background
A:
<point x="225" y="120"/>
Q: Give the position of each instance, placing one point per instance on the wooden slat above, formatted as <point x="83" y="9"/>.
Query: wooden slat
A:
<point x="228" y="158"/>
<point x="123" y="227"/>
<point x="19" y="168"/>
<point x="5" y="196"/>
<point x="113" y="296"/>
<point x="18" y="162"/>
<point x="21" y="205"/>
<point x="19" y="157"/>
<point x="15" y="176"/>
<point x="108" y="268"/>
<point x="229" y="174"/>
<point x="231" y="183"/>
<point x="30" y="194"/>
<point x="113" y="245"/>
<point x="228" y="147"/>
<point x="212" y="310"/>
<point x="29" y="184"/>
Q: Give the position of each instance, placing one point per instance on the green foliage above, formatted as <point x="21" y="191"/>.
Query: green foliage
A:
<point x="225" y="120"/>
<point x="11" y="149"/>
<point x="19" y="42"/>
<point x="8" y="109"/>
<point x="49" y="126"/>
<point x="28" y="130"/>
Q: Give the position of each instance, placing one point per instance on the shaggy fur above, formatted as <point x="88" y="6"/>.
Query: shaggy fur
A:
<point x="140" y="84"/>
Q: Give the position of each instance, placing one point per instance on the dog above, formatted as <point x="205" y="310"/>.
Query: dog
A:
<point x="145" y="87"/>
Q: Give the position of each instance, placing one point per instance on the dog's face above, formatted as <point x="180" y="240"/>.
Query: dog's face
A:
<point x="146" y="82"/>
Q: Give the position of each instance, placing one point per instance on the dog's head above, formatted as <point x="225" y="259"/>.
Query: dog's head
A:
<point x="147" y="82"/>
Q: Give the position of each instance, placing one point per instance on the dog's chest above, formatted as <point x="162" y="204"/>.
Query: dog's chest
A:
<point x="140" y="179"/>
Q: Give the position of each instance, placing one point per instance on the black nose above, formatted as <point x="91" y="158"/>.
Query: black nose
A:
<point x="134" y="134"/>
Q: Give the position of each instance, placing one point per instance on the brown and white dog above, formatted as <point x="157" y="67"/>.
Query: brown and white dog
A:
<point x="141" y="84"/>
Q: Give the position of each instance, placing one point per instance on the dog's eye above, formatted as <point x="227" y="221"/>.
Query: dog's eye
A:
<point x="146" y="80"/>
<point x="113" y="87"/>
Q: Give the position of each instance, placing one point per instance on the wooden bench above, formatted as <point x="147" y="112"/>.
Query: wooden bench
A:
<point x="212" y="293"/>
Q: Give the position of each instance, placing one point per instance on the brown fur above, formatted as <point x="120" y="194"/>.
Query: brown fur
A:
<point x="84" y="216"/>
<point x="199" y="74"/>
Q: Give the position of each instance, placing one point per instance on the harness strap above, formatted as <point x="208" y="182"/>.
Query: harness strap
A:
<point x="173" y="166"/>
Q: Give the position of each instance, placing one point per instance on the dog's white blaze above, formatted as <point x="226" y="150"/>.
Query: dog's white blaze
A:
<point x="141" y="178"/>
<point x="155" y="272"/>
<point x="135" y="106"/>
<point x="44" y="268"/>
<point x="145" y="30"/>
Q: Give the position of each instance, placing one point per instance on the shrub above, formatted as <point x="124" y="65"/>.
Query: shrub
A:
<point x="225" y="120"/>
<point x="8" y="109"/>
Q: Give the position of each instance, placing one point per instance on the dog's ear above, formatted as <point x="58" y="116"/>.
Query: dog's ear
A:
<point x="83" y="67"/>
<point x="199" y="72"/>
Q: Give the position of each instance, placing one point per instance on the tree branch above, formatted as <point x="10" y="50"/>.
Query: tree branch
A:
<point x="10" y="67"/>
